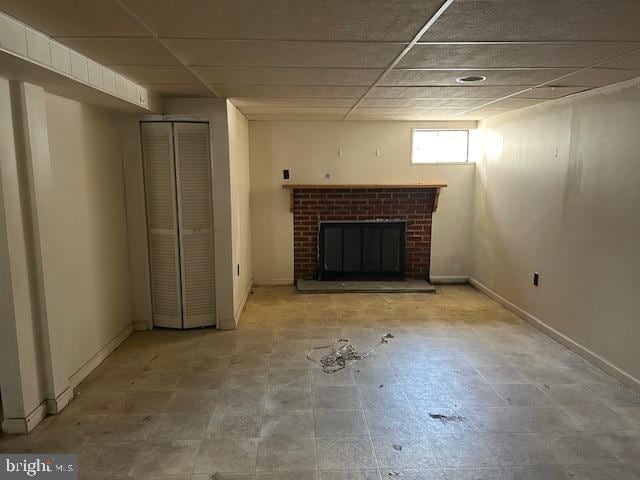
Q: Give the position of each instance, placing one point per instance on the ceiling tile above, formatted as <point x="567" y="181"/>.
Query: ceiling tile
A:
<point x="597" y="77"/>
<point x="527" y="20"/>
<point x="489" y="111"/>
<point x="512" y="55"/>
<point x="292" y="117"/>
<point x="121" y="51"/>
<point x="551" y="92"/>
<point x="74" y="18"/>
<point x="155" y="74"/>
<point x="290" y="91"/>
<point x="516" y="102"/>
<point x="630" y="61"/>
<point x="377" y="20"/>
<point x="474" y="116"/>
<point x="285" y="54"/>
<point x="179" y="90"/>
<point x="273" y="109"/>
<point x="494" y="77"/>
<point x="406" y="111"/>
<point x="458" y="91"/>
<point x="392" y="114"/>
<point x="425" y="102"/>
<point x="288" y="76"/>
<point x="293" y="102"/>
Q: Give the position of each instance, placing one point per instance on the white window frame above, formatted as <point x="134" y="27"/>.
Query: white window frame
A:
<point x="420" y="164"/>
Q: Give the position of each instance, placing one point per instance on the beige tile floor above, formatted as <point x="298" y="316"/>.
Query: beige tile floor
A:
<point x="246" y="404"/>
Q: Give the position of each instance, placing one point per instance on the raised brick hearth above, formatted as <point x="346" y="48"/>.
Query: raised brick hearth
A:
<point x="415" y="205"/>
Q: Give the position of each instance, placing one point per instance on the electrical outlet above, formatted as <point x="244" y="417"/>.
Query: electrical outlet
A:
<point x="285" y="174"/>
<point x="536" y="278"/>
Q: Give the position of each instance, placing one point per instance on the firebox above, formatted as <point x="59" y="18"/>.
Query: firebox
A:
<point x="361" y="250"/>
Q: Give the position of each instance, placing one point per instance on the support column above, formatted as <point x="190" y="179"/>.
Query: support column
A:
<point x="39" y="178"/>
<point x="22" y="380"/>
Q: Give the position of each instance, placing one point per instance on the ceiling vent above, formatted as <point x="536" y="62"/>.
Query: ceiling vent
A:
<point x="471" y="79"/>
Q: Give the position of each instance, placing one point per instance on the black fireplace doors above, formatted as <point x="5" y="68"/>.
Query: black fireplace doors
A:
<point x="363" y="250"/>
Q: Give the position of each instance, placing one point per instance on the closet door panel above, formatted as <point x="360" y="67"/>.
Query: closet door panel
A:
<point x="162" y="223"/>
<point x="195" y="214"/>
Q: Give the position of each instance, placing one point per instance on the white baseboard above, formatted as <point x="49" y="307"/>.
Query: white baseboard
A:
<point x="56" y="405"/>
<point x="99" y="357"/>
<point x="273" y="281"/>
<point x="600" y="362"/>
<point x="25" y="425"/>
<point x="449" y="279"/>
<point x="245" y="297"/>
<point x="226" y="323"/>
<point x="142" y="326"/>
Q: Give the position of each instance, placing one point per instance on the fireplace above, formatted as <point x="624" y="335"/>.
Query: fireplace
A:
<point x="362" y="231"/>
<point x="363" y="250"/>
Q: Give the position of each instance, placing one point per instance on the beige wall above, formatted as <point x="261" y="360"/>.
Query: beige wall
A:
<point x="240" y="216"/>
<point x="310" y="149"/>
<point x="89" y="267"/>
<point x="558" y="192"/>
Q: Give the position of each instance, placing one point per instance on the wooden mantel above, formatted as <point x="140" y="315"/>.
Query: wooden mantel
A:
<point x="360" y="186"/>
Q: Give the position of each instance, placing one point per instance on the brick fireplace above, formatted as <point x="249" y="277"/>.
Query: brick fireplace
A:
<point x="413" y="204"/>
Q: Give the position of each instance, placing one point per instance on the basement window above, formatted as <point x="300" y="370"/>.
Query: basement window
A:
<point x="439" y="146"/>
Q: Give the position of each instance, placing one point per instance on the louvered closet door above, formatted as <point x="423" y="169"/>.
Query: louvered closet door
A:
<point x="195" y="214"/>
<point x="162" y="223"/>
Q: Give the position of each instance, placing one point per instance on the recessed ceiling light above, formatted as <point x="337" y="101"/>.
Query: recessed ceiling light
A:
<point x="471" y="79"/>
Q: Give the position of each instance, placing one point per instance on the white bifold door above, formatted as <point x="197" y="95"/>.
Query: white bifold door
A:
<point x="177" y="175"/>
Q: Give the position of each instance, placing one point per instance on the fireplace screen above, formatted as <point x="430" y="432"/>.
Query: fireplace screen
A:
<point x="366" y="250"/>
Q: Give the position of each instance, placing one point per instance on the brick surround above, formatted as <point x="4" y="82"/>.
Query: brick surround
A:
<point x="415" y="205"/>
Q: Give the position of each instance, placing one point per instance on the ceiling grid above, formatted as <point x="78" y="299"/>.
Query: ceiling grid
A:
<point x="356" y="59"/>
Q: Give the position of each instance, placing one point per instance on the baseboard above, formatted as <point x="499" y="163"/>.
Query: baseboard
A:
<point x="56" y="405"/>
<point x="226" y="323"/>
<point x="448" y="279"/>
<point x="25" y="425"/>
<point x="600" y="362"/>
<point x="245" y="297"/>
<point x="142" y="326"/>
<point x="99" y="357"/>
<point x="273" y="281"/>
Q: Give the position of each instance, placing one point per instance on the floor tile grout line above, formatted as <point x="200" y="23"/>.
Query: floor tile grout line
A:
<point x="366" y="420"/>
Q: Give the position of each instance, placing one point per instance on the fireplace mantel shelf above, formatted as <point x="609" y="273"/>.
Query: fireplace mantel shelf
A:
<point x="328" y="186"/>
<point x="335" y="186"/>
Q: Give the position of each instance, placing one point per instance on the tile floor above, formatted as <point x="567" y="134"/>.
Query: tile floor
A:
<point x="465" y="390"/>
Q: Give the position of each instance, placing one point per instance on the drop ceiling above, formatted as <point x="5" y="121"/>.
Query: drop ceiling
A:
<point x="353" y="59"/>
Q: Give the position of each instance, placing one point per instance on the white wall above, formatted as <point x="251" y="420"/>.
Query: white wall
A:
<point x="22" y="379"/>
<point x="240" y="216"/>
<point x="309" y="150"/>
<point x="64" y="259"/>
<point x="139" y="277"/>
<point x="89" y="265"/>
<point x="558" y="192"/>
